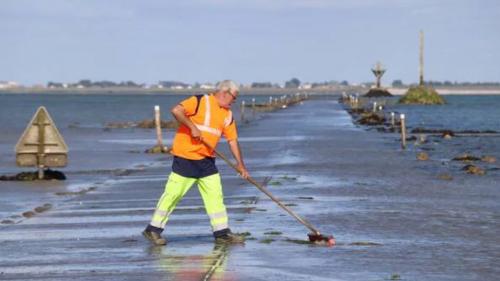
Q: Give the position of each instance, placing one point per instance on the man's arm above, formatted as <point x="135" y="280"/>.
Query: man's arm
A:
<point x="180" y="115"/>
<point x="235" y="150"/>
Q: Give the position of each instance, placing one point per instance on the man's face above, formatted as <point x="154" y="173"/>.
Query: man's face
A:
<point x="229" y="97"/>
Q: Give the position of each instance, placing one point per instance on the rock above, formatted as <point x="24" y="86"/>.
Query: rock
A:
<point x="54" y="175"/>
<point x="158" y="149"/>
<point x="446" y="177"/>
<point x="150" y="124"/>
<point x="144" y="124"/>
<point x="473" y="170"/>
<point x="378" y="92"/>
<point x="119" y="125"/>
<point x="466" y="158"/>
<point x="357" y="110"/>
<point x="32" y="176"/>
<point x="45" y="207"/>
<point x="370" y="118"/>
<point x="421" y="95"/>
<point x="422" y="156"/>
<point x="447" y="134"/>
<point x="28" y="214"/>
<point x="488" y="159"/>
<point x="411" y="138"/>
<point x="451" y="133"/>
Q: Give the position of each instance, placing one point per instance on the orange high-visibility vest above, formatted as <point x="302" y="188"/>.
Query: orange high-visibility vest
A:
<point x="212" y="120"/>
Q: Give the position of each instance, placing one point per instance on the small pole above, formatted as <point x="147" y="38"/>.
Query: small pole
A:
<point x="374" y="106"/>
<point x="253" y="107"/>
<point x="242" y="111"/>
<point x="159" y="138"/>
<point x="403" y="131"/>
<point x="392" y="119"/>
<point x="270" y="101"/>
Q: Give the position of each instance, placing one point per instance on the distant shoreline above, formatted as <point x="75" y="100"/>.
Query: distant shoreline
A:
<point x="245" y="91"/>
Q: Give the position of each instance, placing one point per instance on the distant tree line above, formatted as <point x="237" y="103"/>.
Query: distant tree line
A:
<point x="293" y="83"/>
<point x="173" y="84"/>
<point x="86" y="83"/>
<point x="446" y="83"/>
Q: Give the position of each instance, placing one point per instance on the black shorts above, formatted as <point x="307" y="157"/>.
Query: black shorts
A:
<point x="194" y="168"/>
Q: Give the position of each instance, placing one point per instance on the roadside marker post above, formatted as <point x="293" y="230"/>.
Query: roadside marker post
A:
<point x="41" y="145"/>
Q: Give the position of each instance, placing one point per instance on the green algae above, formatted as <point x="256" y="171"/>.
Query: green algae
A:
<point x="273" y="233"/>
<point x="300" y="242"/>
<point x="364" y="243"/>
<point x="267" y="241"/>
<point x="421" y="95"/>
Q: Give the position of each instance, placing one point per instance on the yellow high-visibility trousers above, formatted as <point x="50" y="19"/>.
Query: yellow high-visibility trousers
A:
<point x="210" y="188"/>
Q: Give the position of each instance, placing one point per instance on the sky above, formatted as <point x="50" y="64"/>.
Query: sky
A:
<point x="247" y="40"/>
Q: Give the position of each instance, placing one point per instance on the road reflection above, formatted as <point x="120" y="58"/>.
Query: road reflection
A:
<point x="211" y="266"/>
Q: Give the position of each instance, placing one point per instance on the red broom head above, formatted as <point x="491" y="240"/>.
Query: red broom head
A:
<point x="319" y="239"/>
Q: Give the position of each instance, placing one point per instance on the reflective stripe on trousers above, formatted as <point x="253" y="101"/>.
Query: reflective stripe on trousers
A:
<point x="210" y="188"/>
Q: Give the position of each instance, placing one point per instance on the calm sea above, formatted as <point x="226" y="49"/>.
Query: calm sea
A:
<point x="82" y="118"/>
<point x="460" y="113"/>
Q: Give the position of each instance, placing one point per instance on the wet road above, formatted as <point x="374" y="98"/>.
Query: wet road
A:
<point x="392" y="217"/>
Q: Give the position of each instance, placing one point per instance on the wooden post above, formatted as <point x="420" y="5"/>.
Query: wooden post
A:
<point x="403" y="131"/>
<point x="159" y="138"/>
<point x="392" y="119"/>
<point x="253" y="107"/>
<point x="242" y="111"/>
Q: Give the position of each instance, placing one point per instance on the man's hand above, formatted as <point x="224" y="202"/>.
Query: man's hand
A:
<point x="235" y="149"/>
<point x="196" y="133"/>
<point x="243" y="172"/>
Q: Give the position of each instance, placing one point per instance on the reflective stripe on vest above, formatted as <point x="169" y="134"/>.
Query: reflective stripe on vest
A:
<point x="206" y="124"/>
<point x="207" y="111"/>
<point x="229" y="119"/>
<point x="209" y="130"/>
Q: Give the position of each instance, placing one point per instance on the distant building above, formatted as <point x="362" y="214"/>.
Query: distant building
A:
<point x="55" y="85"/>
<point x="306" y="86"/>
<point x="207" y="86"/>
<point x="8" y="85"/>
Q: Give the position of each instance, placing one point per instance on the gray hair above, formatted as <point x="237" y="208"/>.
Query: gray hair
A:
<point x="228" y="85"/>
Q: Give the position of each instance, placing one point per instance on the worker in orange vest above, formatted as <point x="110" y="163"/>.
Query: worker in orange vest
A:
<point x="203" y="118"/>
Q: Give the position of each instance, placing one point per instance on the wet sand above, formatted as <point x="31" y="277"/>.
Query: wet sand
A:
<point x="392" y="217"/>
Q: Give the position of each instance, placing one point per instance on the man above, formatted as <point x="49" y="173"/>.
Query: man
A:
<point x="203" y="119"/>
